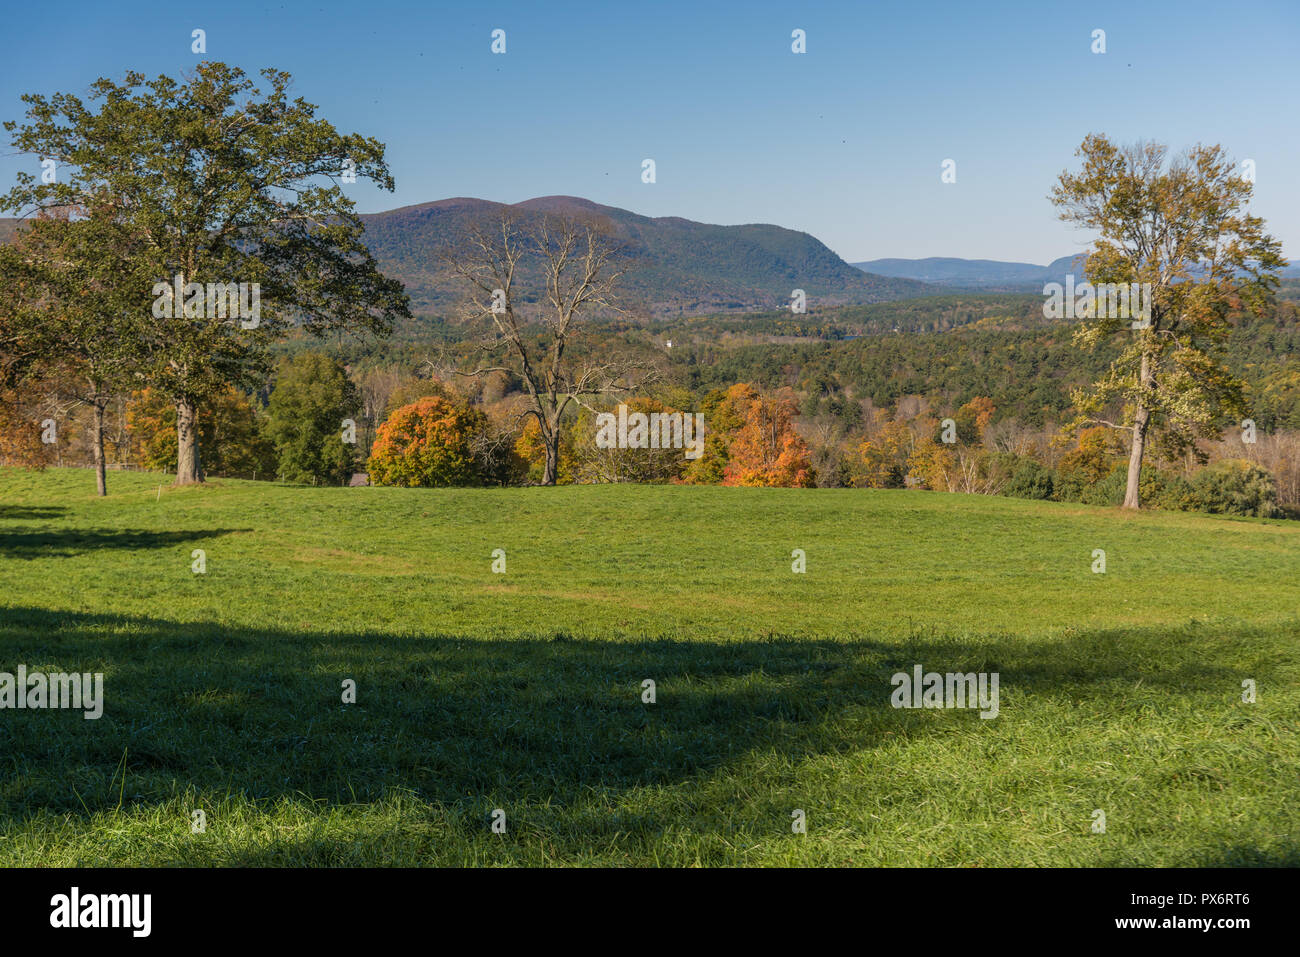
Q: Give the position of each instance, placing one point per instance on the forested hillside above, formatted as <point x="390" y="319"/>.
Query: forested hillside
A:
<point x="675" y="266"/>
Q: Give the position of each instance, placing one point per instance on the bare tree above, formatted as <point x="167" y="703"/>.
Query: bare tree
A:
<point x="577" y="268"/>
<point x="377" y="387"/>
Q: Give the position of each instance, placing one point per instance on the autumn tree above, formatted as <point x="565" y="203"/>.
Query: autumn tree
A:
<point x="884" y="455"/>
<point x="973" y="418"/>
<point x="726" y="411"/>
<point x="1093" y="457"/>
<point x="221" y="182"/>
<point x="767" y="451"/>
<point x="20" y="433"/>
<point x="429" y="443"/>
<point x="578" y="268"/>
<point x="531" y="451"/>
<point x="1179" y="225"/>
<point x="228" y="426"/>
<point x="933" y="464"/>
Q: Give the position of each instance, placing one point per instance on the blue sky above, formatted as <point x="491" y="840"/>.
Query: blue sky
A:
<point x="845" y="141"/>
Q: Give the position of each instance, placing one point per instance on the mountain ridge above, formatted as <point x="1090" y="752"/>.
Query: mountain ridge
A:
<point x="994" y="275"/>
<point x="686" y="267"/>
<point x="990" y="275"/>
<point x="680" y="266"/>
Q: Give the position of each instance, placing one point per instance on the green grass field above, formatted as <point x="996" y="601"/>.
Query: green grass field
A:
<point x="522" y="691"/>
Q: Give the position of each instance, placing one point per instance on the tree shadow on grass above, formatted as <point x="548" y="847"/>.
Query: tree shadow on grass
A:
<point x="1250" y="855"/>
<point x="544" y="719"/>
<point x="29" y="543"/>
<point x="29" y="512"/>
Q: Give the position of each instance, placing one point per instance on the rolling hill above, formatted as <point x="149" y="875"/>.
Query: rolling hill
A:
<point x="678" y="266"/>
<point x="986" y="274"/>
<point x="990" y="275"/>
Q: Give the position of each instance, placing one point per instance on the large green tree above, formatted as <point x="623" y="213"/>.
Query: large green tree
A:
<point x="311" y="400"/>
<point x="224" y="181"/>
<point x="1180" y="225"/>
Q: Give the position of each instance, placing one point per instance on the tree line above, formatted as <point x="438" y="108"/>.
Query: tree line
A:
<point x="185" y="227"/>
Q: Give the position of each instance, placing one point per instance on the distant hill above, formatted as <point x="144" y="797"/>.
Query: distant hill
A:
<point x="679" y="267"/>
<point x="988" y="275"/>
<point x="984" y="274"/>
<point x="682" y="267"/>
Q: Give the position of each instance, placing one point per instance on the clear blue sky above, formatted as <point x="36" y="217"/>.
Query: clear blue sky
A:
<point x="845" y="141"/>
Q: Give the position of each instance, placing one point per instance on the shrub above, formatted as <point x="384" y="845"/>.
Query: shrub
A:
<point x="1235" y="487"/>
<point x="1031" y="479"/>
<point x="428" y="443"/>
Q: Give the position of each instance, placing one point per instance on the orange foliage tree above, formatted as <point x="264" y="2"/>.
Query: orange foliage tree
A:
<point x="767" y="451"/>
<point x="725" y="414"/>
<point x="428" y="443"/>
<point x="973" y="418"/>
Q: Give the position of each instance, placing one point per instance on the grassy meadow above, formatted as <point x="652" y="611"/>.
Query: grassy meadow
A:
<point x="522" y="691"/>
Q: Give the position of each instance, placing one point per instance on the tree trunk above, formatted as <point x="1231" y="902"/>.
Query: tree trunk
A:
<point x="1132" y="497"/>
<point x="188" y="470"/>
<point x="1141" y="419"/>
<point x="552" y="443"/>
<point x="101" y="474"/>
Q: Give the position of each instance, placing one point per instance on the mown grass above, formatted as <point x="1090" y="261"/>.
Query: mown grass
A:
<point x="522" y="691"/>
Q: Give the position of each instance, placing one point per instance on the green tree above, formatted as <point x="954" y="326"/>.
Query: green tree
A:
<point x="592" y="464"/>
<point x="222" y="183"/>
<point x="312" y="405"/>
<point x="1180" y="226"/>
<point x="66" y="287"/>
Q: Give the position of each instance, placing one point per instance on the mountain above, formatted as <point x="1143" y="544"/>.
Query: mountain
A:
<point x="985" y="274"/>
<point x="677" y="266"/>
<point x="991" y="275"/>
<point x="681" y="267"/>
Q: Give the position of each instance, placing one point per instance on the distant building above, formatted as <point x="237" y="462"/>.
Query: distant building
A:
<point x="359" y="479"/>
